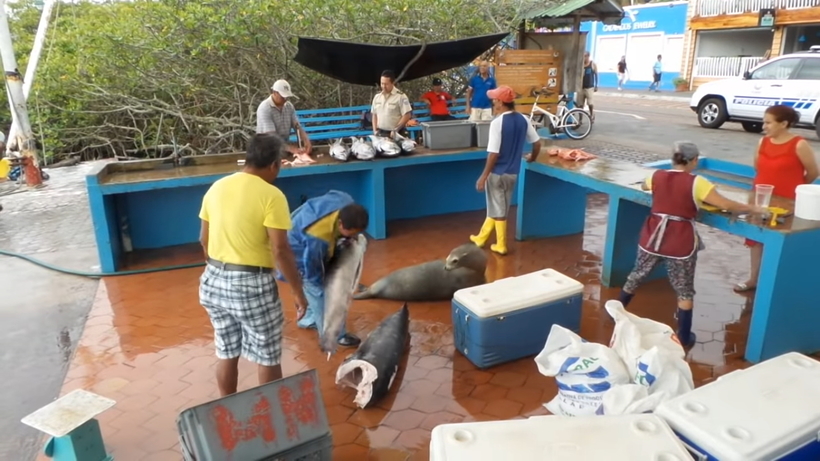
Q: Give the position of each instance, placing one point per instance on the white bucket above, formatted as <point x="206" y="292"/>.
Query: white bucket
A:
<point x="807" y="203"/>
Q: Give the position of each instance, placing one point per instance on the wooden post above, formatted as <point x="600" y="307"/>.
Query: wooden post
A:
<point x="17" y="102"/>
<point x="572" y="62"/>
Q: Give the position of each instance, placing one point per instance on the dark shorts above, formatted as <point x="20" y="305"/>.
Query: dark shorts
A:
<point x="657" y="78"/>
<point x="441" y="118"/>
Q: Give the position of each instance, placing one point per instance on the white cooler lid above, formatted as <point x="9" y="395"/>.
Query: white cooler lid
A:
<point x="559" y="438"/>
<point x="753" y="414"/>
<point x="514" y="293"/>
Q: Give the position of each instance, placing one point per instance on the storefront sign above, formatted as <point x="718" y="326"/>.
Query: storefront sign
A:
<point x="638" y="25"/>
<point x="766" y="18"/>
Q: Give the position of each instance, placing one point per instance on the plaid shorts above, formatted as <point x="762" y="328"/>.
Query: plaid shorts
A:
<point x="246" y="313"/>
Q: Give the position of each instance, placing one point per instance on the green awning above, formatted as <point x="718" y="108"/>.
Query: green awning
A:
<point x="563" y="13"/>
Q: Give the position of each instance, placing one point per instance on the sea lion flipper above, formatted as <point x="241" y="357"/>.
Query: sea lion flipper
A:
<point x="365" y="293"/>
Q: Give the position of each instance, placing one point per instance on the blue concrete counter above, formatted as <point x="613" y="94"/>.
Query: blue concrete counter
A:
<point x="148" y="204"/>
<point x="719" y="171"/>
<point x="551" y="201"/>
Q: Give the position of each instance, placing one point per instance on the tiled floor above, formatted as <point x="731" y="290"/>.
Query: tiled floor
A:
<point x="148" y="344"/>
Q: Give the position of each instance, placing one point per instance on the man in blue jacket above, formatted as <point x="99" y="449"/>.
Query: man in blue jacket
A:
<point x="317" y="226"/>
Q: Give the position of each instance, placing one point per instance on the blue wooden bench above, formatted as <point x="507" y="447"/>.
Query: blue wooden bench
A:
<point x="345" y="122"/>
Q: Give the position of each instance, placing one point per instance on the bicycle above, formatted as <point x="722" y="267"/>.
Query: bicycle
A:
<point x="565" y="120"/>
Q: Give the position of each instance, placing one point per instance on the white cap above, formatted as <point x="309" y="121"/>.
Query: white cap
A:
<point x="283" y="88"/>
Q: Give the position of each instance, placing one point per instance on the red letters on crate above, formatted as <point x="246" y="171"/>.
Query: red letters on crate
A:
<point x="231" y="431"/>
<point x="301" y="410"/>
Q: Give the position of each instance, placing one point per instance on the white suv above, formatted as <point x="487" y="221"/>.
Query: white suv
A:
<point x="792" y="80"/>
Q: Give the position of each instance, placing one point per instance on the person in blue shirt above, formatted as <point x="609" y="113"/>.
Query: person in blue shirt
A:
<point x="589" y="85"/>
<point x="509" y="133"/>
<point x="479" y="105"/>
<point x="318" y="224"/>
<point x="656" y="76"/>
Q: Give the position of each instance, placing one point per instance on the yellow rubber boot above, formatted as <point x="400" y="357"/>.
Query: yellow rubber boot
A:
<point x="500" y="246"/>
<point x="484" y="233"/>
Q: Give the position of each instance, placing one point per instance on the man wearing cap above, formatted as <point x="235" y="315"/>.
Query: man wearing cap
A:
<point x="509" y="132"/>
<point x="277" y="114"/>
<point x="391" y="108"/>
<point x="479" y="106"/>
<point x="438" y="101"/>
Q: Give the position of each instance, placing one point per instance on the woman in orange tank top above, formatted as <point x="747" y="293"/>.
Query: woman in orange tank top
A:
<point x="783" y="160"/>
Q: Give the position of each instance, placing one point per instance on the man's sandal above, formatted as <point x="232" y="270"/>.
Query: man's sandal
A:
<point x="743" y="288"/>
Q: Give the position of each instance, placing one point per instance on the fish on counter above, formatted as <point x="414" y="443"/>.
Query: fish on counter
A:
<point x="372" y="369"/>
<point x="362" y="150"/>
<point x="299" y="158"/>
<point x="343" y="277"/>
<point x="339" y="151"/>
<point x="573" y="155"/>
<point x="385" y="147"/>
<point x="407" y="145"/>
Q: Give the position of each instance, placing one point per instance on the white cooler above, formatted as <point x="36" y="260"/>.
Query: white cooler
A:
<point x="559" y="438"/>
<point x="770" y="411"/>
<point x="511" y="318"/>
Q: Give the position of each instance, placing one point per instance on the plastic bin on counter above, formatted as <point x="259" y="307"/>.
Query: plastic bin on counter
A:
<point x="449" y="134"/>
<point x="767" y="412"/>
<point x="642" y="437"/>
<point x="482" y="133"/>
<point x="511" y="318"/>
<point x="284" y="420"/>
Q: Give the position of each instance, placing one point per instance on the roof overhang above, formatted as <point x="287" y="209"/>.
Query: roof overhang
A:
<point x="559" y="14"/>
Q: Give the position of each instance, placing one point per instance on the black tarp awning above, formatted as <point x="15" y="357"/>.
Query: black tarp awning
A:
<point x="362" y="64"/>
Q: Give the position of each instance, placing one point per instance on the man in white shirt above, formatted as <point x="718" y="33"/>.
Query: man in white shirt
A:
<point x="509" y="133"/>
<point x="277" y="114"/>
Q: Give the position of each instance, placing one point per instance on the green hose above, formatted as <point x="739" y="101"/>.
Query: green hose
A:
<point x="97" y="274"/>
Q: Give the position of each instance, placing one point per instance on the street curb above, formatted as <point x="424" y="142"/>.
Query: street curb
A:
<point x="644" y="96"/>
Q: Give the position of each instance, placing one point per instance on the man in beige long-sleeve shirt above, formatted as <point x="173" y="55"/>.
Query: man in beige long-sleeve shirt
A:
<point x="391" y="108"/>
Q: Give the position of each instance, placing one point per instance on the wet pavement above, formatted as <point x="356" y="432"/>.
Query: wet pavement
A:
<point x="147" y="343"/>
<point x="154" y="341"/>
<point x="42" y="312"/>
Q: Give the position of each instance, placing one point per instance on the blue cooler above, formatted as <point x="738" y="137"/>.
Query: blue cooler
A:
<point x="511" y="318"/>
<point x="768" y="412"/>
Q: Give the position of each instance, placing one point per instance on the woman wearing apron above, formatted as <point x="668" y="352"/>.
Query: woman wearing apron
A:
<point x="669" y="233"/>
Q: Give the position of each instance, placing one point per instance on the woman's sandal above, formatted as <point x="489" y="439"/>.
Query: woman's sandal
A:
<point x="743" y="287"/>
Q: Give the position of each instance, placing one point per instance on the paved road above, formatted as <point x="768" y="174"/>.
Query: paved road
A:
<point x="651" y="125"/>
<point x="42" y="313"/>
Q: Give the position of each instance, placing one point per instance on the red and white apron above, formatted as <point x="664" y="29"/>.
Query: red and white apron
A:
<point x="669" y="231"/>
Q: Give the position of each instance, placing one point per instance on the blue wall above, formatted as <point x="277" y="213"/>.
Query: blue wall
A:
<point x="645" y="32"/>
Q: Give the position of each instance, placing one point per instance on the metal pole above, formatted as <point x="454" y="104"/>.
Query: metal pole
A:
<point x="31" y="68"/>
<point x="17" y="102"/>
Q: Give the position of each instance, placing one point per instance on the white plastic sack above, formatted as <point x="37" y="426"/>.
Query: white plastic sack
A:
<point x="653" y="356"/>
<point x="630" y="399"/>
<point x="584" y="372"/>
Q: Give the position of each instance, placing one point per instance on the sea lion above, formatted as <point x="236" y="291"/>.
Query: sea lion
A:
<point x="432" y="281"/>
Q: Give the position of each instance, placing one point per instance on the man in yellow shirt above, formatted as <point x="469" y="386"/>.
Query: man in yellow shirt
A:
<point x="245" y="220"/>
<point x="317" y="227"/>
